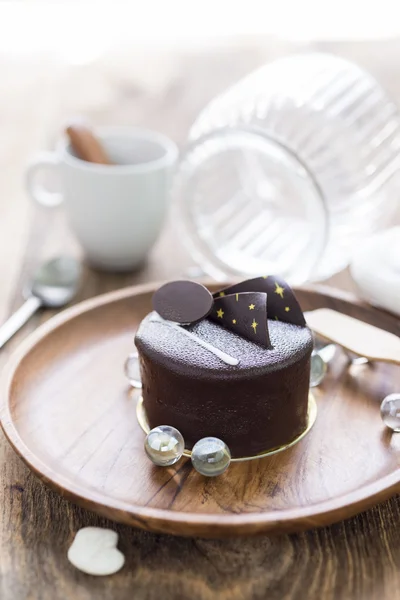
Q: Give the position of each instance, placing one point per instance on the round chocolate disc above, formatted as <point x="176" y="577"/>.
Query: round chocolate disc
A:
<point x="183" y="301"/>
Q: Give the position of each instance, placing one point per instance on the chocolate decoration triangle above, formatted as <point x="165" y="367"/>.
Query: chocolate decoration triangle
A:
<point x="245" y="314"/>
<point x="282" y="303"/>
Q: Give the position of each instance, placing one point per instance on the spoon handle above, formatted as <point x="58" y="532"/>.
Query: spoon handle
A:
<point x="18" y="319"/>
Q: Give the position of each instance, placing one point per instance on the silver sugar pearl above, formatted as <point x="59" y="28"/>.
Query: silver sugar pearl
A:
<point x="318" y="369"/>
<point x="211" y="456"/>
<point x="390" y="412"/>
<point x="132" y="370"/>
<point x="164" y="445"/>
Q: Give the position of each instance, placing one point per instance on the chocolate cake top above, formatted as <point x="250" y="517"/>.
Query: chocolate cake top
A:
<point x="171" y="348"/>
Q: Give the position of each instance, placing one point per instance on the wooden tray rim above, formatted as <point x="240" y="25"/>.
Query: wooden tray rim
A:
<point x="165" y="520"/>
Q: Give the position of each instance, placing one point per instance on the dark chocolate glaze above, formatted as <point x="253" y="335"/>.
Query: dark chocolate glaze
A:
<point x="257" y="405"/>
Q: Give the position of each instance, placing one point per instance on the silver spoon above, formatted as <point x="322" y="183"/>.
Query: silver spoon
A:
<point x="54" y="284"/>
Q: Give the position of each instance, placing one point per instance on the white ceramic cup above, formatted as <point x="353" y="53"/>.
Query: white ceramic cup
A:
<point x="116" y="211"/>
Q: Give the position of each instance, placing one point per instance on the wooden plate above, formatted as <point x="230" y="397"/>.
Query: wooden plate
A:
<point x="71" y="416"/>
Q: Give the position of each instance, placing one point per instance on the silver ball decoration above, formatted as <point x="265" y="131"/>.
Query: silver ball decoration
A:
<point x="164" y="445"/>
<point x="318" y="369"/>
<point x="132" y="370"/>
<point x="390" y="412"/>
<point x="211" y="456"/>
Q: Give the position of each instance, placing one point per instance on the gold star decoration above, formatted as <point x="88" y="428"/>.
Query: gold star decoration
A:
<point x="279" y="289"/>
<point x="248" y="299"/>
<point x="221" y="294"/>
<point x="234" y="321"/>
<point x="254" y="325"/>
<point x="220" y="313"/>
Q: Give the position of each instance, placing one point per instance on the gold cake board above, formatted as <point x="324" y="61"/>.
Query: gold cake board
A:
<point x="311" y="417"/>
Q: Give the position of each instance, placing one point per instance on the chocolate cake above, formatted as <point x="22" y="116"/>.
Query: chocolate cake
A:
<point x="255" y="405"/>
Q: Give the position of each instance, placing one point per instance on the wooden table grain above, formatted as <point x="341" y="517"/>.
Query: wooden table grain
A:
<point x="359" y="558"/>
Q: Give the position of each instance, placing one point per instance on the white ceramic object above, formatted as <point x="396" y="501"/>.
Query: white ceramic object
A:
<point x="116" y="211"/>
<point x="94" y="551"/>
<point x="376" y="270"/>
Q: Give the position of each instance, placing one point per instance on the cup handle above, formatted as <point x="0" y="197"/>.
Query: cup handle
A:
<point x="46" y="160"/>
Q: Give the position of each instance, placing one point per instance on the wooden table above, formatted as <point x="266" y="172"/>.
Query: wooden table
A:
<point x="359" y="558"/>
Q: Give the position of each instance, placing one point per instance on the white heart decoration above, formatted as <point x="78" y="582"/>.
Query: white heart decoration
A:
<point x="94" y="551"/>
